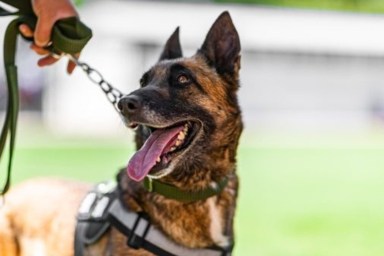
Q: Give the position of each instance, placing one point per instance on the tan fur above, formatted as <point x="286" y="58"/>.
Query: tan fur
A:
<point x="41" y="210"/>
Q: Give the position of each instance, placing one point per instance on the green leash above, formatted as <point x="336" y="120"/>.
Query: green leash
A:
<point x="69" y="36"/>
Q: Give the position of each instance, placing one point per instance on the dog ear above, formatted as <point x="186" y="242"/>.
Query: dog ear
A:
<point x="222" y="45"/>
<point x="172" y="48"/>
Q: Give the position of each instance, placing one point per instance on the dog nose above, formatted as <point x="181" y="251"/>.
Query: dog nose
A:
<point x="129" y="104"/>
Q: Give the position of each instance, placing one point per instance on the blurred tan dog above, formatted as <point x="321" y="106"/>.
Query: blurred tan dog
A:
<point x="188" y="123"/>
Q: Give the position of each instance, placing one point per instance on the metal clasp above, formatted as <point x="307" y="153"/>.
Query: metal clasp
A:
<point x="113" y="95"/>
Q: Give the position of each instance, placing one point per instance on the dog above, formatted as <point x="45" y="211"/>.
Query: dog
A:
<point x="187" y="123"/>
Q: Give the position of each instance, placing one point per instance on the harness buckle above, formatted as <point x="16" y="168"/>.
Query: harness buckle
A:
<point x="139" y="231"/>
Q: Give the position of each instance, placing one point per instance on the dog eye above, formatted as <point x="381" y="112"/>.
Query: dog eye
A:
<point x="183" y="79"/>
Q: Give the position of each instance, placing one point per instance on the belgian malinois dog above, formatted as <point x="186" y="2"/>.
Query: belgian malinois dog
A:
<point x="187" y="123"/>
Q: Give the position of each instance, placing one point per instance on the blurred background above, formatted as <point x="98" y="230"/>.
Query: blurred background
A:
<point x="311" y="159"/>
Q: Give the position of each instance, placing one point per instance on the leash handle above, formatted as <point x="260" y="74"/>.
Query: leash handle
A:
<point x="69" y="35"/>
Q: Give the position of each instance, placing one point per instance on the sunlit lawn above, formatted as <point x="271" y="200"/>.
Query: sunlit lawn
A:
<point x="371" y="6"/>
<point x="298" y="197"/>
<point x="309" y="201"/>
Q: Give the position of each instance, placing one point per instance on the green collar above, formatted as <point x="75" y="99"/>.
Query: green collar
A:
<point x="185" y="196"/>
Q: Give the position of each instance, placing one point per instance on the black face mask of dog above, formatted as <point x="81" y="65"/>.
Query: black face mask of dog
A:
<point x="187" y="103"/>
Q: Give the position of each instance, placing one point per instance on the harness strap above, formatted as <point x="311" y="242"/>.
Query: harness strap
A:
<point x="146" y="236"/>
<point x="92" y="218"/>
<point x="102" y="208"/>
<point x="69" y="36"/>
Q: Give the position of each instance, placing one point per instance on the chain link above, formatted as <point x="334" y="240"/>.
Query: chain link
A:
<point x="113" y="95"/>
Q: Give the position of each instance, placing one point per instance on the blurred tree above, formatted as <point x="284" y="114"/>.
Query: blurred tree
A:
<point x="372" y="6"/>
<point x="78" y="2"/>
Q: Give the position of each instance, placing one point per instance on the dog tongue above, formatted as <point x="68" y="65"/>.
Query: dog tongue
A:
<point x="145" y="158"/>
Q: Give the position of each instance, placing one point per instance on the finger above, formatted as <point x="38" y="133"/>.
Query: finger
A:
<point x="46" y="61"/>
<point x="39" y="50"/>
<point x="72" y="65"/>
<point x="43" y="31"/>
<point x="26" y="31"/>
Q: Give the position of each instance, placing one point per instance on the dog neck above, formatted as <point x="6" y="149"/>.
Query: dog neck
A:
<point x="205" y="222"/>
<point x="198" y="224"/>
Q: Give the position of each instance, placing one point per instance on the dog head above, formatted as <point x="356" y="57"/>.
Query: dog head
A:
<point x="186" y="111"/>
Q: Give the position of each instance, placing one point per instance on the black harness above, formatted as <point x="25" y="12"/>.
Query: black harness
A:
<point x="102" y="209"/>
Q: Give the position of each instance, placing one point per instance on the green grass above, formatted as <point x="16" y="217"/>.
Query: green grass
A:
<point x="316" y="201"/>
<point x="299" y="196"/>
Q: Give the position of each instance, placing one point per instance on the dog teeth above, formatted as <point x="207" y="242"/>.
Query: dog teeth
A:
<point x="181" y="136"/>
<point x="158" y="160"/>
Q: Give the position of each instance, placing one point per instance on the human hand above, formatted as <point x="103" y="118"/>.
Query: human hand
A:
<point x="48" y="12"/>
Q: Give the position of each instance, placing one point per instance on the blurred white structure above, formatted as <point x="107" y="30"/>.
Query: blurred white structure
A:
<point x="301" y="70"/>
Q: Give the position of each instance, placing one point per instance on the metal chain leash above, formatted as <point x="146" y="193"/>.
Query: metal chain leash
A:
<point x="113" y="95"/>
